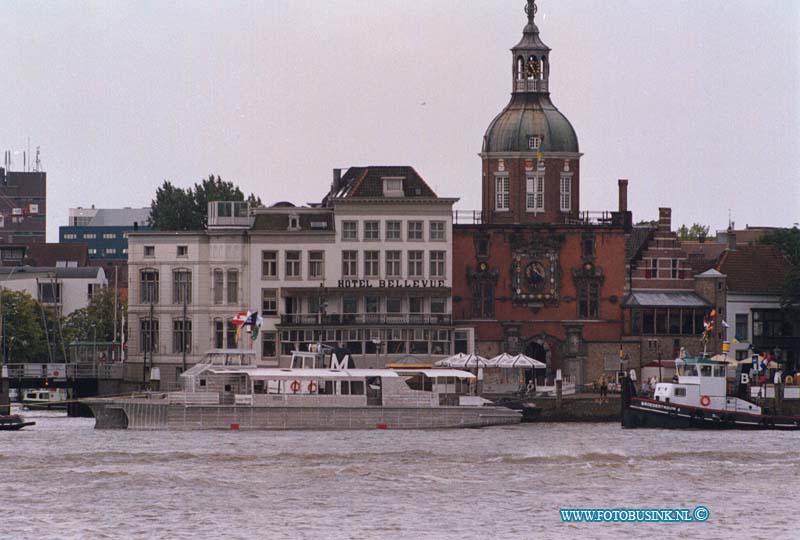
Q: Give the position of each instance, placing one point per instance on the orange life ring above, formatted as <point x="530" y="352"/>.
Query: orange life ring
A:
<point x="312" y="387"/>
<point x="705" y="401"/>
<point x="295" y="386"/>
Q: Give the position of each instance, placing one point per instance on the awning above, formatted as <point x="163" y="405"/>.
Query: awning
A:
<point x="666" y="299"/>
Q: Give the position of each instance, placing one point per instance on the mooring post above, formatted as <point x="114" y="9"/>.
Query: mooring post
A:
<point x="5" y="401"/>
<point x="558" y="389"/>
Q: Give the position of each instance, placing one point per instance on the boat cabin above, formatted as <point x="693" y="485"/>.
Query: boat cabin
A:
<point x="312" y="382"/>
<point x="701" y="382"/>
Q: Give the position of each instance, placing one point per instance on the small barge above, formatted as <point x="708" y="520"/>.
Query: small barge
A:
<point x="228" y="390"/>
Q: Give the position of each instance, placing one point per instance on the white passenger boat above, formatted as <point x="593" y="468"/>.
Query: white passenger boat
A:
<point x="322" y="391"/>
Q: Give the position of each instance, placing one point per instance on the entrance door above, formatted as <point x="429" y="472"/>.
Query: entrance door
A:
<point x="537" y="352"/>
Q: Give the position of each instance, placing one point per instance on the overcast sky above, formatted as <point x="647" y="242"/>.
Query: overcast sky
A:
<point x="696" y="102"/>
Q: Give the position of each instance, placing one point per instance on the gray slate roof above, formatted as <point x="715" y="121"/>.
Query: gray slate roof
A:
<point x="665" y="299"/>
<point x="120" y="217"/>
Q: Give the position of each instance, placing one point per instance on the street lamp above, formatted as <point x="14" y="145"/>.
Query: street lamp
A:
<point x="94" y="346"/>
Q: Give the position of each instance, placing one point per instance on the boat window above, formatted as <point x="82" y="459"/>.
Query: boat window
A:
<point x="258" y="387"/>
<point x="680" y="392"/>
<point x="705" y="371"/>
<point x="415" y="382"/>
<point x="328" y="388"/>
<point x="31" y="396"/>
<point x="719" y="371"/>
<point x="202" y="382"/>
<point x="44" y="395"/>
<point x="273" y="387"/>
<point x="690" y="371"/>
<point x="228" y="387"/>
<point x="357" y="388"/>
<point x="345" y="386"/>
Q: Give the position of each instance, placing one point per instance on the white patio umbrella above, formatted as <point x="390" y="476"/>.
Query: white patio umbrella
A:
<point x="505" y="360"/>
<point x="463" y="361"/>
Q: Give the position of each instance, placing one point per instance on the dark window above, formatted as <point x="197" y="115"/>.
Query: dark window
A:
<point x="741" y="326"/>
<point x="588" y="247"/>
<point x="636" y="322"/>
<point x="148" y="335"/>
<point x="148" y="286"/>
<point x="233" y="286"/>
<point x="181" y="336"/>
<point x="268" y="345"/>
<point x="219" y="334"/>
<point x="230" y="335"/>
<point x="588" y="300"/>
<point x="182" y="286"/>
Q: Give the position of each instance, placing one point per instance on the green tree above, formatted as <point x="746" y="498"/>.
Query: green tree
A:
<point x="24" y="337"/>
<point x="178" y="209"/>
<point x="96" y="319"/>
<point x="788" y="242"/>
<point x="173" y="209"/>
<point x="695" y="232"/>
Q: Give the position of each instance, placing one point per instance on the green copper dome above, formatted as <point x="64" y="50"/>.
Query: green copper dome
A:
<point x="528" y="115"/>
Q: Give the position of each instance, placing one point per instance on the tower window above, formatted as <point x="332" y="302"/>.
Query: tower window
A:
<point x="533" y="142"/>
<point x="534" y="195"/>
<point x="501" y="192"/>
<point x="566" y="193"/>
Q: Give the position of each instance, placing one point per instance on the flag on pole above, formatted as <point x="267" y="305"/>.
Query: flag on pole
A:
<point x="241" y="318"/>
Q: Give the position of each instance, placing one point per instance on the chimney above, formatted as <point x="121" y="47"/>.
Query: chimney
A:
<point x="337" y="181"/>
<point x="731" y="239"/>
<point x="623" y="194"/>
<point x="664" y="220"/>
<point x="135" y="225"/>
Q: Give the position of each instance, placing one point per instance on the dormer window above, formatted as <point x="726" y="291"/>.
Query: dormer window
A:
<point x="393" y="187"/>
<point x="533" y="142"/>
<point x="294" y="222"/>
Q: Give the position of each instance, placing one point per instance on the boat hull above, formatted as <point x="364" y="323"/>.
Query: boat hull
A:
<point x="153" y="415"/>
<point x="13" y="422"/>
<point x="45" y="405"/>
<point x="648" y="413"/>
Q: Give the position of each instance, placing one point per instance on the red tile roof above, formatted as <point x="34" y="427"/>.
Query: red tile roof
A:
<point x="756" y="269"/>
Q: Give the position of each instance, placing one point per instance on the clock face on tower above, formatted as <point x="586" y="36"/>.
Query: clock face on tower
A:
<point x="536" y="275"/>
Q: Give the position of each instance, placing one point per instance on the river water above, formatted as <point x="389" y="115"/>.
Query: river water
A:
<point x="61" y="479"/>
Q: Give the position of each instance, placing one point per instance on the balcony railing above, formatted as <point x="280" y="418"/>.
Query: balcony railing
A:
<point x="467" y="217"/>
<point x="369" y="319"/>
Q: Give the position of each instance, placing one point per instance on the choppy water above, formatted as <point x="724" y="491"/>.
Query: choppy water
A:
<point x="62" y="479"/>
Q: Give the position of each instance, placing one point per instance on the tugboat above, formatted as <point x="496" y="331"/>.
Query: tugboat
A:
<point x="697" y="400"/>
<point x="13" y="422"/>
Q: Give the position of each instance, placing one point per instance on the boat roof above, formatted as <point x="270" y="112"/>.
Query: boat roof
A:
<point x="303" y="373"/>
<point x="438" y="372"/>
<point x="701" y="360"/>
<point x="265" y="373"/>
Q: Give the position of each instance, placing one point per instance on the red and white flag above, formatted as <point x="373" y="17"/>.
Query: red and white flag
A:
<point x="240" y="318"/>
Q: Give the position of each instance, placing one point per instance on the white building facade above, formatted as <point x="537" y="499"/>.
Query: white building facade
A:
<point x="65" y="289"/>
<point x="368" y="269"/>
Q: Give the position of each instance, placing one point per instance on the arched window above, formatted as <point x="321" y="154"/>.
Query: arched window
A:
<point x="148" y="286"/>
<point x="181" y="286"/>
<point x="520" y="71"/>
<point x="148" y="335"/>
<point x="182" y="335"/>
<point x="219" y="333"/>
<point x="219" y="285"/>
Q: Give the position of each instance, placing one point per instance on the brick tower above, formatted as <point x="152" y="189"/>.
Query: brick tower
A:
<point x="531" y="162"/>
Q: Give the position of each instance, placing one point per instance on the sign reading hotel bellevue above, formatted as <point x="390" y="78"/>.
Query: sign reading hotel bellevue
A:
<point x="391" y="283"/>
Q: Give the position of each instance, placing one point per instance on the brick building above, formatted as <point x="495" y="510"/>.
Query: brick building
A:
<point x="532" y="272"/>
